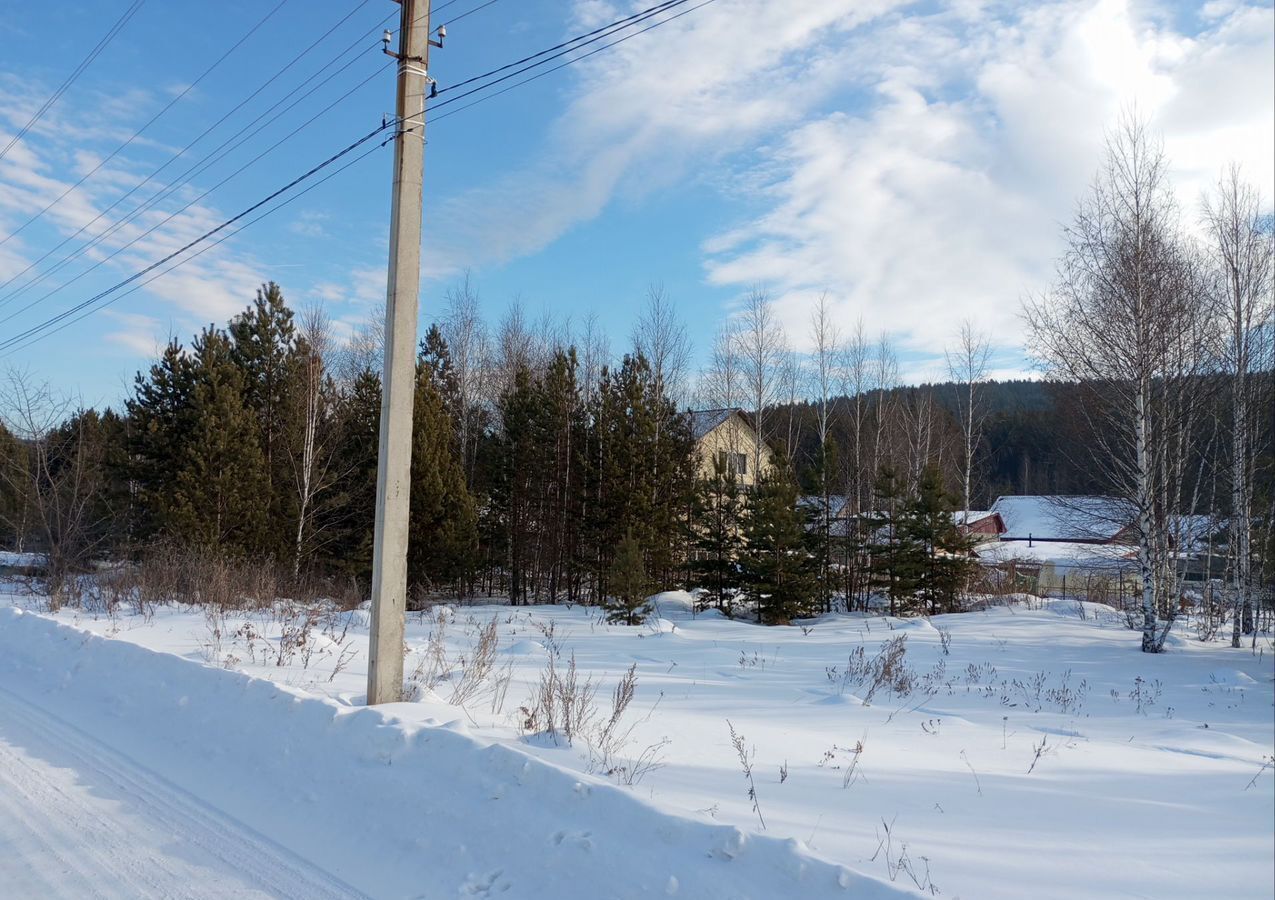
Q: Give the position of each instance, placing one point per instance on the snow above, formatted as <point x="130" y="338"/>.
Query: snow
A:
<point x="1061" y="554"/>
<point x="388" y="802"/>
<point x="10" y="559"/>
<point x="1144" y="784"/>
<point x="1064" y="518"/>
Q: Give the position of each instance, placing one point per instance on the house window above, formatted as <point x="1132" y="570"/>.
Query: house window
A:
<point x="735" y="463"/>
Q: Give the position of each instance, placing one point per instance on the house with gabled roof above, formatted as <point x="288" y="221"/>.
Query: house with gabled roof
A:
<point x="728" y="434"/>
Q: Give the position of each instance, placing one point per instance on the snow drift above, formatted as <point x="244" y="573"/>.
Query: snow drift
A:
<point x="389" y="808"/>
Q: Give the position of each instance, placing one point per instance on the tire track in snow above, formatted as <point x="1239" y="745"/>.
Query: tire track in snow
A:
<point x="78" y="819"/>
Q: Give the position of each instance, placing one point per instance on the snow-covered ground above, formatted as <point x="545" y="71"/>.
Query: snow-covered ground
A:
<point x="1037" y="754"/>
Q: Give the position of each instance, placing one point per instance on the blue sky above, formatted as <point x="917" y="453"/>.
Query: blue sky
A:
<point x="913" y="160"/>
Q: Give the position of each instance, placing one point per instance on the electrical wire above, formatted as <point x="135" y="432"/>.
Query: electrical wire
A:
<point x="75" y="74"/>
<point x="86" y="304"/>
<point x="81" y="310"/>
<point x="171" y="103"/>
<point x="182" y="209"/>
<point x="642" y="14"/>
<point x="88" y="312"/>
<point x="164" y="166"/>
<point x="576" y="59"/>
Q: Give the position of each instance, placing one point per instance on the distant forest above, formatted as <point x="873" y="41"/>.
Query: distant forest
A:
<point x="1034" y="437"/>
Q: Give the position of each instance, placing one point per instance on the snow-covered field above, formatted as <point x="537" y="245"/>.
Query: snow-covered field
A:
<point x="1011" y="753"/>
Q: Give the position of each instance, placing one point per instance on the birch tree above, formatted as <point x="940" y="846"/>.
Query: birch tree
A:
<point x="1241" y="255"/>
<point x="660" y="336"/>
<point x="967" y="364"/>
<point x="854" y="385"/>
<point x="469" y="344"/>
<point x="313" y="455"/>
<point x="1124" y="319"/>
<point x="761" y="345"/>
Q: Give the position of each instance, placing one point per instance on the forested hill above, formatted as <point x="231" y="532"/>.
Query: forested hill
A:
<point x="1033" y="435"/>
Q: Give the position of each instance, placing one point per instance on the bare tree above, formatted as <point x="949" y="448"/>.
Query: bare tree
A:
<point x="364" y="349"/>
<point x="1242" y="267"/>
<point x="967" y="364"/>
<point x="467" y="340"/>
<point x="827" y="360"/>
<point x="761" y="345"/>
<point x="791" y="377"/>
<point x="661" y="337"/>
<point x="595" y="352"/>
<point x="885" y="378"/>
<point x="1126" y="319"/>
<point x="56" y="473"/>
<point x="854" y="384"/>
<point x="313" y="461"/>
<point x="721" y="385"/>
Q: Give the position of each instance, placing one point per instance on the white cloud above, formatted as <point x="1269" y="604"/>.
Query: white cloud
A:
<point x="643" y="112"/>
<point x="915" y="163"/>
<point x="136" y="333"/>
<point x="943" y="201"/>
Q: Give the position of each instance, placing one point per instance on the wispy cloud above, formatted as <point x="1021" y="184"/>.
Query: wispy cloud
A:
<point x="942" y="200"/>
<point x="914" y="162"/>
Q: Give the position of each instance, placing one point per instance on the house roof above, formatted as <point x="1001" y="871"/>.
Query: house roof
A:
<point x="836" y="503"/>
<point x="705" y="420"/>
<point x="1062" y="555"/>
<point x="1064" y="518"/>
<point x="970" y="516"/>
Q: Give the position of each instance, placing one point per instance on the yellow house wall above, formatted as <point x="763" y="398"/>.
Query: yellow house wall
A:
<point x="734" y="436"/>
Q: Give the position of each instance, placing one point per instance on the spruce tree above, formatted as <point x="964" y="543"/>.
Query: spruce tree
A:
<point x="938" y="554"/>
<point x="626" y="601"/>
<point x="350" y="520"/>
<point x="443" y="523"/>
<point x="892" y="558"/>
<point x="776" y="562"/>
<point x="716" y="534"/>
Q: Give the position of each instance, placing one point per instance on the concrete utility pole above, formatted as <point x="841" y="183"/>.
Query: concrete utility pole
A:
<point x="394" y="461"/>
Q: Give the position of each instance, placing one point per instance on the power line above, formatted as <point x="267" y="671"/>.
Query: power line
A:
<point x="165" y="165"/>
<point x="85" y="304"/>
<point x="646" y="13"/>
<point x="466" y="15"/>
<point x="75" y="74"/>
<point x="228" y="146"/>
<point x="171" y="103"/>
<point x="571" y="61"/>
<point x="88" y="312"/>
<point x="86" y="307"/>
<point x="179" y="211"/>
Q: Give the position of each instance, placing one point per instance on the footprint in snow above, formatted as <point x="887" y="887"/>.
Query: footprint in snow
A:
<point x="484" y="885"/>
<point x="581" y="839"/>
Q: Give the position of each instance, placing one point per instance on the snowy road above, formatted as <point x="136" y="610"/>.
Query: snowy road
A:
<point x="79" y="820"/>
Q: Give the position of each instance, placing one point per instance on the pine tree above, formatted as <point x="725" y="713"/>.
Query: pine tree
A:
<point x="159" y="433"/>
<point x="776" y="562"/>
<point x="627" y="599"/>
<point x="13" y="513"/>
<point x="716" y="534"/>
<point x="220" y="494"/>
<point x="350" y="520"/>
<point x="264" y="347"/>
<point x="513" y="523"/>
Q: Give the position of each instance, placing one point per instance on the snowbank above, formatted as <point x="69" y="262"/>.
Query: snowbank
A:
<point x="390" y="808"/>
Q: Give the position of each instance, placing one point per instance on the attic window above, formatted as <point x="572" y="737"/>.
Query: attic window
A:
<point x="735" y="463"/>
